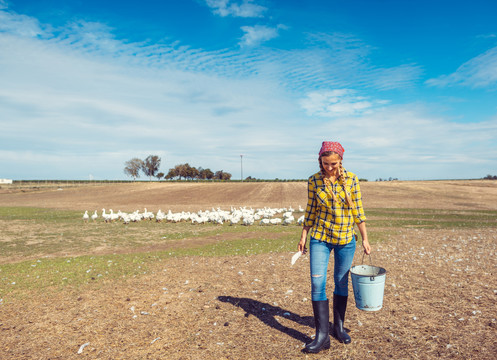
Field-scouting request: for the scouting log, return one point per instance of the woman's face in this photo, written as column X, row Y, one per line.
column 331, row 163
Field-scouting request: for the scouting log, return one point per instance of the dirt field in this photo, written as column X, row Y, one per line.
column 439, row 302
column 475, row 194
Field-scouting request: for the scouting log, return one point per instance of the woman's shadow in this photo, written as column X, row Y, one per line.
column 267, row 314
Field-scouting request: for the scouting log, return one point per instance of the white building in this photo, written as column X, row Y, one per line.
column 5, row 181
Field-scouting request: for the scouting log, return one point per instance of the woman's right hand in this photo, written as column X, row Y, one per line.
column 301, row 246
column 303, row 239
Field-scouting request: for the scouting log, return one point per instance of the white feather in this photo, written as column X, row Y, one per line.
column 296, row 256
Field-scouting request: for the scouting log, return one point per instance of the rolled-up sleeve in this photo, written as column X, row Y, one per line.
column 358, row 210
column 310, row 211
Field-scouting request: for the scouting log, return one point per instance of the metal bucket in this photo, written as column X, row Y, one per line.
column 368, row 282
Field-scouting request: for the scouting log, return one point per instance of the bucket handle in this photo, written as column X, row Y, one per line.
column 370, row 259
column 371, row 263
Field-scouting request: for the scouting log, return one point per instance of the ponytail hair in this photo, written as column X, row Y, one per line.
column 343, row 181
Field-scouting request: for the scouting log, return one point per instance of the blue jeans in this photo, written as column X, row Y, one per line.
column 319, row 257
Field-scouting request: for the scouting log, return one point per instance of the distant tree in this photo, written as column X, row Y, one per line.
column 133, row 167
column 159, row 176
column 490, row 177
column 178, row 172
column 221, row 175
column 182, row 170
column 188, row 172
column 185, row 171
column 151, row 165
column 171, row 174
column 192, row 172
column 205, row 174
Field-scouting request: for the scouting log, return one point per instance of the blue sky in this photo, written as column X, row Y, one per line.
column 408, row 87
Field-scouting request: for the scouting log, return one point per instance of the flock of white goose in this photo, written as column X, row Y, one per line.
column 243, row 215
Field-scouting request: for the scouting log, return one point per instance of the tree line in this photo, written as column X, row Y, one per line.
column 150, row 167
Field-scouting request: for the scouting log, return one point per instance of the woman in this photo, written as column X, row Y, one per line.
column 334, row 205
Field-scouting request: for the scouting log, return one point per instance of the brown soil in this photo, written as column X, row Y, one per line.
column 439, row 302
column 458, row 194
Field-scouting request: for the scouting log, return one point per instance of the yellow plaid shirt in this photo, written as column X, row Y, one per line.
column 331, row 221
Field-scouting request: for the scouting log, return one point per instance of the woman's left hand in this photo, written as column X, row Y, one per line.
column 366, row 246
column 364, row 236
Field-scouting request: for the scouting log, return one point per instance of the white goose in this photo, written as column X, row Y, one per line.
column 113, row 217
column 105, row 216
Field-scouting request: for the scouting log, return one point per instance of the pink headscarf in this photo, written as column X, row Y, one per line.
column 332, row 146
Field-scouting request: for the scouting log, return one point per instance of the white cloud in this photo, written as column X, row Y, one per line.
column 338, row 102
column 340, row 61
column 406, row 142
column 246, row 8
column 397, row 77
column 18, row 24
column 254, row 35
column 479, row 72
column 486, row 36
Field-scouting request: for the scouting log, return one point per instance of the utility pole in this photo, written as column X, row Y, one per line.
column 241, row 167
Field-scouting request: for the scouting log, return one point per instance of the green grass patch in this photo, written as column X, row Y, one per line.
column 431, row 219
column 257, row 245
column 19, row 279
column 56, row 273
column 39, row 214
